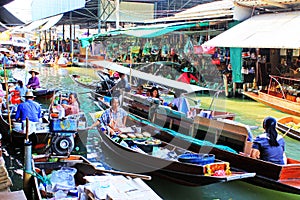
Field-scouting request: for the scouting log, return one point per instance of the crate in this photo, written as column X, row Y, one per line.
column 58, row 125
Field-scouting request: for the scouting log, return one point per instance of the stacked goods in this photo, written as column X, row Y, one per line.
column 5, row 181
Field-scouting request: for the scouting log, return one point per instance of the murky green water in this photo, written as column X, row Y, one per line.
column 247, row 111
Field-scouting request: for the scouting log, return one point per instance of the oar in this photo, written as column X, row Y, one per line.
column 286, row 132
column 90, row 169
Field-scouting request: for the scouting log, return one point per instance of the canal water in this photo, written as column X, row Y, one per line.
column 247, row 112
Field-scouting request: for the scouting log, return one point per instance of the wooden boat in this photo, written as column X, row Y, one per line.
column 44, row 93
column 75, row 123
column 149, row 155
column 289, row 126
column 85, row 81
column 284, row 100
column 284, row 178
column 88, row 173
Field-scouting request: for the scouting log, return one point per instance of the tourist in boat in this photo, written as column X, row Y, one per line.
column 187, row 76
column 269, row 146
column 112, row 118
column 63, row 59
column 34, row 81
column 29, row 108
column 21, row 88
column 154, row 93
column 140, row 90
column 72, row 107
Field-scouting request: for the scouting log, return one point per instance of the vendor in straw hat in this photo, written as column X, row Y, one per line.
column 34, row 81
column 29, row 108
column 187, row 76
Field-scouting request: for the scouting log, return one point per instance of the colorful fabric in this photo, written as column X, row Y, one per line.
column 29, row 109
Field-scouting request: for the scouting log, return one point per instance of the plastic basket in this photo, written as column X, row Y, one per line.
column 200, row 159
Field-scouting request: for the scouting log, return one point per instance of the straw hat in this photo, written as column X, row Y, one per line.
column 185, row 70
column 29, row 94
column 35, row 71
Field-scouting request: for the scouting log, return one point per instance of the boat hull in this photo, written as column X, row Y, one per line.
column 268, row 175
column 291, row 132
column 123, row 158
column 275, row 102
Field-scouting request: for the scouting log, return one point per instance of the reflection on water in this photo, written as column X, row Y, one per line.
column 247, row 111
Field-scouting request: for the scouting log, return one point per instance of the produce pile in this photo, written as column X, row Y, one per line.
column 293, row 125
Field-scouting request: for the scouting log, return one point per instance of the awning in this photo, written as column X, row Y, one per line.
column 32, row 26
column 51, row 22
column 262, row 31
column 149, row 77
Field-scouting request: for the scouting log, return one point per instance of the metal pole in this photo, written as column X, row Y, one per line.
column 27, row 174
column 86, row 55
column 28, row 170
column 117, row 4
column 99, row 16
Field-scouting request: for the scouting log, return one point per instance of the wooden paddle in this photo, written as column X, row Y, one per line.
column 90, row 169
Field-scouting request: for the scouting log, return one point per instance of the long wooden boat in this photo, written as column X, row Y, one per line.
column 284, row 178
column 289, row 126
column 84, row 81
column 149, row 155
column 15, row 138
column 86, row 172
column 282, row 100
column 44, row 92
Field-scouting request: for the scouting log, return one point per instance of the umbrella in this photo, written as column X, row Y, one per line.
column 4, row 50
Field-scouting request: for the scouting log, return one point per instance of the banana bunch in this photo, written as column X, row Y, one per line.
column 293, row 125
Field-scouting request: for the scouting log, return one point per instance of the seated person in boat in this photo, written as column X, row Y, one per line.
column 72, row 107
column 187, row 76
column 122, row 84
column 112, row 118
column 140, row 90
column 29, row 108
column 154, row 93
column 34, row 81
column 63, row 59
column 21, row 88
column 269, row 146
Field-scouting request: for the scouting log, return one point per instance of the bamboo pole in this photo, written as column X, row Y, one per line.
column 6, row 97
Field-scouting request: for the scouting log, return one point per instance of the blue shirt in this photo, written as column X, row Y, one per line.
column 29, row 109
column 274, row 154
column 109, row 115
column 22, row 90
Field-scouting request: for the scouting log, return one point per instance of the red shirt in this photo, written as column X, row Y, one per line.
column 184, row 78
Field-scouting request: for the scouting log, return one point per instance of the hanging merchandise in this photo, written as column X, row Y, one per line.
column 198, row 48
column 147, row 48
column 188, row 47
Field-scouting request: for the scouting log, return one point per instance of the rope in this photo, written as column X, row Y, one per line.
column 185, row 137
column 44, row 179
